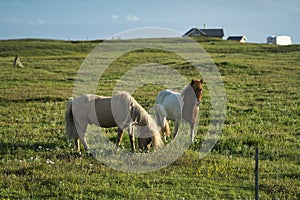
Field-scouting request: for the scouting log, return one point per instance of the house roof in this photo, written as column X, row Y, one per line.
column 236, row 38
column 218, row 32
column 193, row 30
column 205, row 32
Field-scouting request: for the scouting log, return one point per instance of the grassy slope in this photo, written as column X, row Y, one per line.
column 262, row 86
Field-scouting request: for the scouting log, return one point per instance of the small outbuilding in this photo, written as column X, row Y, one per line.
column 279, row 40
column 241, row 39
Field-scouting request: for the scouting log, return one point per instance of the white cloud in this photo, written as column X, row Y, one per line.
column 132, row 18
column 127, row 18
column 40, row 21
column 115, row 18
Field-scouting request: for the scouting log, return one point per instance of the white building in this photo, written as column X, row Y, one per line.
column 241, row 39
column 279, row 40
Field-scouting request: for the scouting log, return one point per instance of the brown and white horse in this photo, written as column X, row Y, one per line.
column 120, row 111
column 171, row 105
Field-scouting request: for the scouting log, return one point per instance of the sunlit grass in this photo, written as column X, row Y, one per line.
column 262, row 88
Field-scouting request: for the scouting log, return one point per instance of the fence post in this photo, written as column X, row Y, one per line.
column 256, row 173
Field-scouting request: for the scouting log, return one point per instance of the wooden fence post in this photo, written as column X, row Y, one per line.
column 17, row 62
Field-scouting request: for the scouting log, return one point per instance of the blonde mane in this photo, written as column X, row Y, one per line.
column 137, row 112
column 140, row 117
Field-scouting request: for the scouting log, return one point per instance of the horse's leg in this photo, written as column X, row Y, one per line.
column 192, row 132
column 176, row 127
column 77, row 145
column 120, row 137
column 131, row 137
column 81, row 129
column 83, row 140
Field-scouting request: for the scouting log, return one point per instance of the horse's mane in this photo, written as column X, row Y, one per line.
column 137, row 112
column 186, row 90
column 142, row 118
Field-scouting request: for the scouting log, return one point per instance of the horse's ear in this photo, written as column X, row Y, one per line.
column 192, row 82
column 201, row 81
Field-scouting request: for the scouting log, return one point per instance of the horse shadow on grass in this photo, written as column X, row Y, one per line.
column 47, row 150
column 12, row 147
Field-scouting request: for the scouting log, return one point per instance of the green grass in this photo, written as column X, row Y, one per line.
column 262, row 87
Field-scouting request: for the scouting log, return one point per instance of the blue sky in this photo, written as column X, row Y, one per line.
column 97, row 19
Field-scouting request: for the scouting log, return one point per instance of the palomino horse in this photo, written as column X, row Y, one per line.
column 176, row 106
column 120, row 111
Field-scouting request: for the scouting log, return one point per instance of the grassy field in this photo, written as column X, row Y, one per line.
column 263, row 110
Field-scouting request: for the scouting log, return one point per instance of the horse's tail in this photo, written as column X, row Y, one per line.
column 70, row 131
